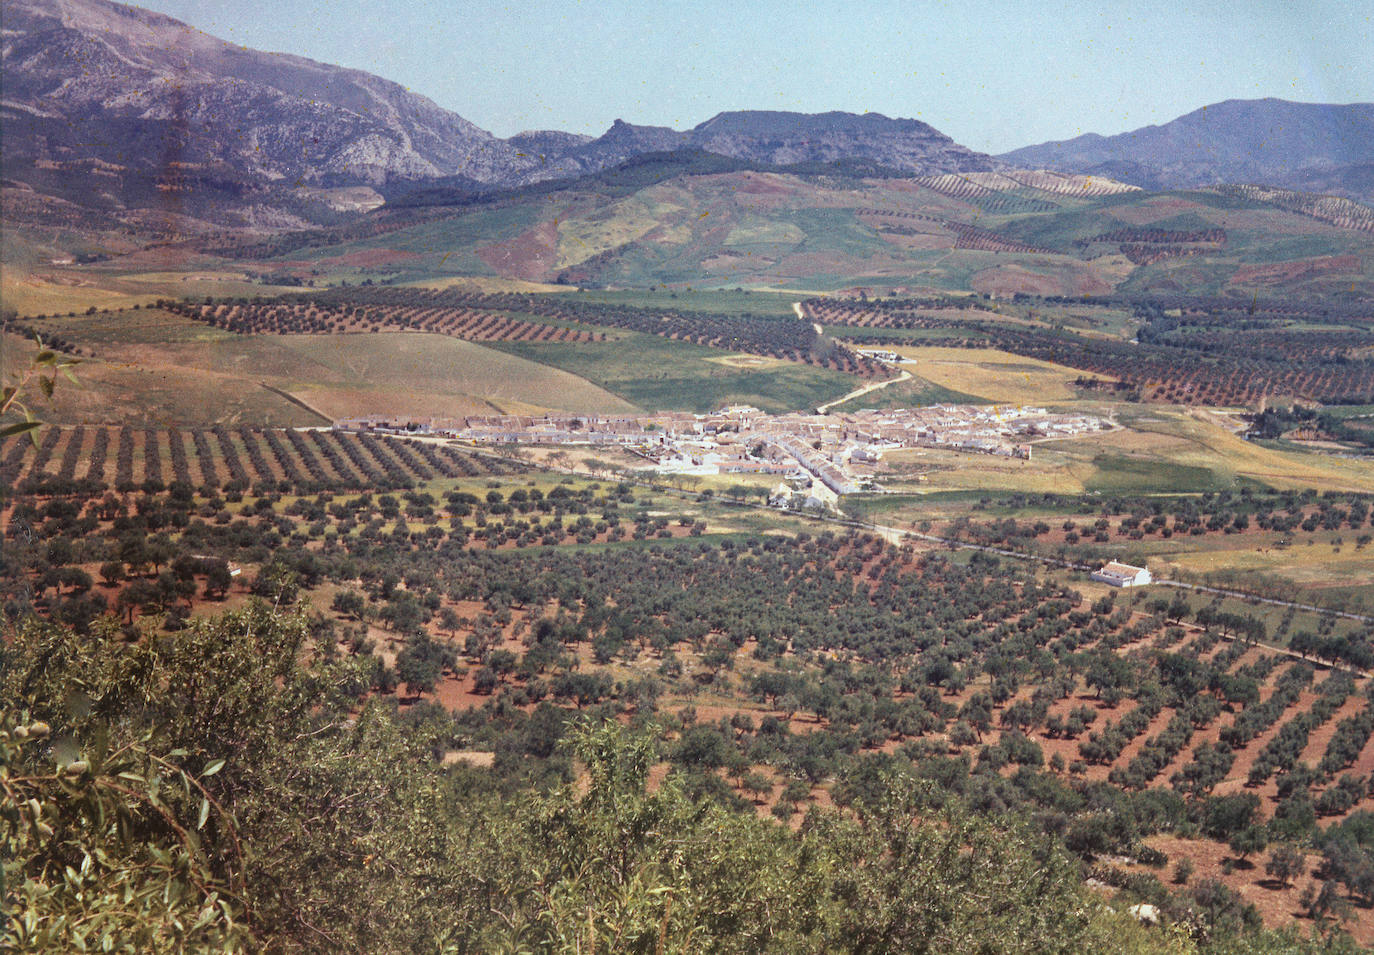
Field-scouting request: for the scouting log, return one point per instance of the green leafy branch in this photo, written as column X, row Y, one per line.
column 101, row 851
column 42, row 371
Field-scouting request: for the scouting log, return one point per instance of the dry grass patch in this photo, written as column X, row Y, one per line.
column 580, row 238
column 1219, row 449
column 227, row 380
column 1174, row 441
column 955, row 470
column 1307, row 566
column 745, row 361
column 35, row 294
column 75, row 290
column 342, row 402
column 995, row 375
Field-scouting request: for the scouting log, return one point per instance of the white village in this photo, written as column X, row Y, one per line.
column 816, row 457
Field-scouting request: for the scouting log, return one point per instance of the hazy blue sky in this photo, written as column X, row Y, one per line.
column 994, row 75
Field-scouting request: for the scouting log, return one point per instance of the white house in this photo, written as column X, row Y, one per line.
column 1122, row 575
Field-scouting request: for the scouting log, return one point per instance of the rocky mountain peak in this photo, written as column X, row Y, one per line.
column 272, row 116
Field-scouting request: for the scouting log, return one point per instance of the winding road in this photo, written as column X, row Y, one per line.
column 898, row 534
column 872, row 386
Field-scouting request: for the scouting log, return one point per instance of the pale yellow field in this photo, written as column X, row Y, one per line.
column 754, row 229
column 414, row 374
column 229, row 380
column 956, row 470
column 489, row 283
column 1155, row 445
column 30, row 294
column 629, row 219
column 343, row 402
column 995, row 375
column 745, row 361
column 155, row 393
column 719, row 482
column 58, row 291
column 1314, row 565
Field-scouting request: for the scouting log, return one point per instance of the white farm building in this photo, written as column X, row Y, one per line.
column 1122, row 575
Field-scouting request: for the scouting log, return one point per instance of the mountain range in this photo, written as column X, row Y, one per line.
column 147, row 106
column 122, row 114
column 777, row 139
column 157, row 112
column 1308, row 146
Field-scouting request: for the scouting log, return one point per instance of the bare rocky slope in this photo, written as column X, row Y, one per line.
column 136, row 78
column 784, row 139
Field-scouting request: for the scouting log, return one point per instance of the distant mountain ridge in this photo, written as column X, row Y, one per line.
column 169, row 117
column 546, row 142
column 783, row 139
column 115, row 116
column 1297, row 145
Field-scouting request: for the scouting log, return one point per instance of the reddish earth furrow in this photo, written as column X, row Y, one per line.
column 1157, row 724
column 1318, row 739
column 1245, row 758
column 1365, row 763
column 1208, row 734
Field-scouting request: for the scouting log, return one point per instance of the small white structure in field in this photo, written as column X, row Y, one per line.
column 1122, row 575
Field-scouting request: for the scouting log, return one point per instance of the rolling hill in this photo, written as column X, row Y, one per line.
column 718, row 223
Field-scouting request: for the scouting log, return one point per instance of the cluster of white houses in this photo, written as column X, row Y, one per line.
column 814, row 451
column 742, row 439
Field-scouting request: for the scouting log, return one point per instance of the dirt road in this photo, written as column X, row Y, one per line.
column 874, row 386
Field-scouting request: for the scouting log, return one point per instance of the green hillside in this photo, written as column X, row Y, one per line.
column 759, row 229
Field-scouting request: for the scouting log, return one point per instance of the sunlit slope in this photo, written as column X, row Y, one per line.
column 155, row 368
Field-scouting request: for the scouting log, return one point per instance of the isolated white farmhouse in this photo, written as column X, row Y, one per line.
column 1122, row 575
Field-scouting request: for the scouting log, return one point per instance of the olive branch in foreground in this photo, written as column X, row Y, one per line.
column 42, row 371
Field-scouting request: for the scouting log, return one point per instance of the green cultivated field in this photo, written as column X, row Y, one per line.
column 1122, row 474
column 663, row 375
column 726, row 301
column 915, row 393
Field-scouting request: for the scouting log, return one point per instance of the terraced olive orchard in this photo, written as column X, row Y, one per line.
column 783, row 671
